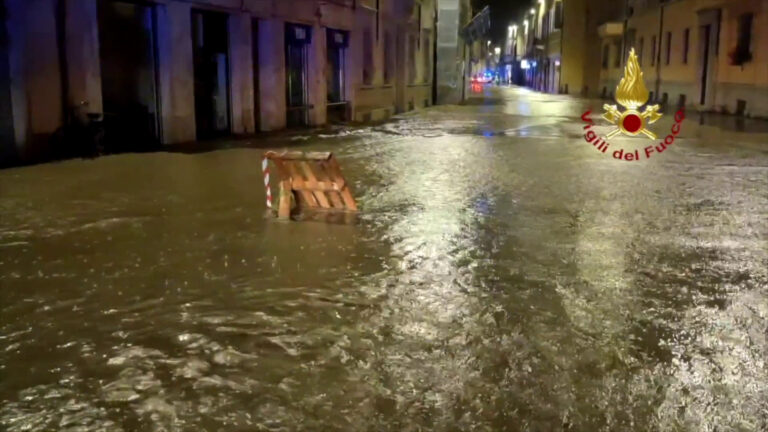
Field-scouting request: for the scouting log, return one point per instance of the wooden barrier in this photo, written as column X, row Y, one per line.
column 311, row 180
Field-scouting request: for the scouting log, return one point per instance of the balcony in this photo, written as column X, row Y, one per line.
column 478, row 27
column 611, row 29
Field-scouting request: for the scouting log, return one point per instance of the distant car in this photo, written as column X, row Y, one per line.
column 482, row 78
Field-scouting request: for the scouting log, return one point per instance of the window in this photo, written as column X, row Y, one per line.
column 389, row 61
column 686, row 40
column 744, row 44
column 629, row 42
column 653, row 51
column 640, row 51
column 617, row 60
column 550, row 20
column 418, row 21
column 606, row 54
column 336, row 42
column 669, row 47
column 558, row 14
column 367, row 55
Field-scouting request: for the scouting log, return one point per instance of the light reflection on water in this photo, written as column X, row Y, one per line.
column 518, row 282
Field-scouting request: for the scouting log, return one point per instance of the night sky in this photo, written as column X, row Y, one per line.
column 502, row 13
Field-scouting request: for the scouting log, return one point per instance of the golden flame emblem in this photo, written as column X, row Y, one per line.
column 631, row 94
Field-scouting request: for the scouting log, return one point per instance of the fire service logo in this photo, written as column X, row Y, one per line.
column 631, row 94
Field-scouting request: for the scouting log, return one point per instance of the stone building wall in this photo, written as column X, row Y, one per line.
column 679, row 74
column 55, row 64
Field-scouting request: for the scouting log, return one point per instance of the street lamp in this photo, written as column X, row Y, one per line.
column 533, row 11
column 497, row 50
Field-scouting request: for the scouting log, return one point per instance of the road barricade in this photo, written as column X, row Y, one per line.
column 308, row 181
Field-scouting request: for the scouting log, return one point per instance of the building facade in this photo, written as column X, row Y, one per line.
column 173, row 71
column 566, row 41
column 710, row 55
column 707, row 55
column 456, row 29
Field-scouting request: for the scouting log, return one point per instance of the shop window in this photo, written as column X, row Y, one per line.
column 686, row 41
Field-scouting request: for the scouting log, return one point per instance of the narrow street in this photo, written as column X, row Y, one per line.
column 503, row 275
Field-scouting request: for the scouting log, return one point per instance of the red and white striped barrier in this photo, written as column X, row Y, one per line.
column 265, row 170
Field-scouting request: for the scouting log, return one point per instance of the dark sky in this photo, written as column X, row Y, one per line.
column 502, row 13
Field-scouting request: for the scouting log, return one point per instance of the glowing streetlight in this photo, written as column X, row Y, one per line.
column 533, row 11
column 497, row 50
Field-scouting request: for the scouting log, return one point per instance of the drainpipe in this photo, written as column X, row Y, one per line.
column 660, row 40
column 560, row 88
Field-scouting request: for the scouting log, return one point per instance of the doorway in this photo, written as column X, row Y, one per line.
column 255, row 57
column 297, row 40
column 8, row 152
column 210, row 35
column 127, row 49
column 337, row 42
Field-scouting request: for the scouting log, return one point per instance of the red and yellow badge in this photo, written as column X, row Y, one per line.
column 631, row 94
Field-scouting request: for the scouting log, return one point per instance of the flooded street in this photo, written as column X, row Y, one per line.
column 503, row 275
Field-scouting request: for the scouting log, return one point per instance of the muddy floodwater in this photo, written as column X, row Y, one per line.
column 503, row 275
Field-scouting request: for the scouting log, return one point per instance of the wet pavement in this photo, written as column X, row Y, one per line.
column 503, row 275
